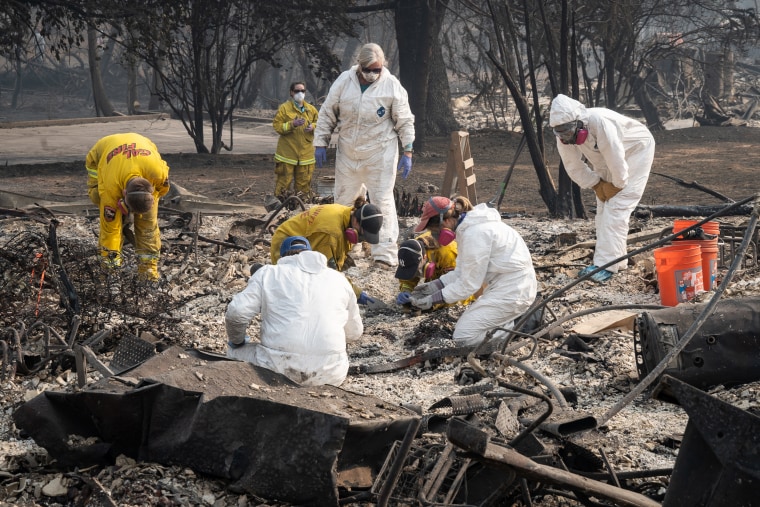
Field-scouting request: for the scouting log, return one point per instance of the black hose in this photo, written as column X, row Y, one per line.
column 282, row 205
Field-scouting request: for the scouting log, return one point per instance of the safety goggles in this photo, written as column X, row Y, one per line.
column 566, row 132
column 372, row 71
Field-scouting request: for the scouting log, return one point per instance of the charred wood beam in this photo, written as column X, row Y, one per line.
column 212, row 241
column 475, row 441
column 698, row 186
column 669, row 210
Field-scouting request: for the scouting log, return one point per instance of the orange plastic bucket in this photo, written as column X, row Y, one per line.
column 709, row 248
column 679, row 273
column 711, row 227
column 710, row 252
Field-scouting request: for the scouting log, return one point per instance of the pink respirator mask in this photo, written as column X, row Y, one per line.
column 351, row 235
column 428, row 270
column 446, row 236
column 571, row 133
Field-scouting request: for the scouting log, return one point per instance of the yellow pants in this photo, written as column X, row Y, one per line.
column 286, row 173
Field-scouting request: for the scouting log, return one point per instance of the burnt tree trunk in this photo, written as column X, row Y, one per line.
column 644, row 101
column 418, row 26
column 155, row 99
column 440, row 119
column 103, row 106
column 547, row 190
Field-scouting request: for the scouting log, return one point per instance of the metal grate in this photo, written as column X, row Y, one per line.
column 431, row 475
column 130, row 352
column 731, row 238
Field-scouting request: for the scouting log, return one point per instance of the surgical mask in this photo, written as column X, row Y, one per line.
column 370, row 77
column 299, row 97
column 351, row 235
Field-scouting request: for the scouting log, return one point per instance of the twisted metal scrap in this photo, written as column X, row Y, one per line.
column 48, row 289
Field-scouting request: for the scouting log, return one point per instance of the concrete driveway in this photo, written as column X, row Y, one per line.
column 70, row 140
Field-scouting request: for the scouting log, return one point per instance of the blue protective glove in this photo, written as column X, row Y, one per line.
column 236, row 345
column 320, row 153
column 405, row 166
column 364, row 299
column 403, row 298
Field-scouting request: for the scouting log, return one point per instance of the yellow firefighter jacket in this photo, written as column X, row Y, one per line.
column 111, row 163
column 324, row 227
column 294, row 145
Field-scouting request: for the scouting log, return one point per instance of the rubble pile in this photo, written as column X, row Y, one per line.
column 586, row 364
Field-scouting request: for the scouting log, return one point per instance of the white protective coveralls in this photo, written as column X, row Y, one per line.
column 370, row 125
column 490, row 252
column 308, row 312
column 619, row 150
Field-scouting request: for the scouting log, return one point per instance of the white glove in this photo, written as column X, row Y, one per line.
column 427, row 302
column 422, row 302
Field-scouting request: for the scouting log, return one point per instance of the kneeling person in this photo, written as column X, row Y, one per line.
column 421, row 260
column 308, row 313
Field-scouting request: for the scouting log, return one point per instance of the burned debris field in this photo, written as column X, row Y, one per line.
column 117, row 392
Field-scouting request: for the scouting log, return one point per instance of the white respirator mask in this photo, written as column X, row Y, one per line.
column 370, row 77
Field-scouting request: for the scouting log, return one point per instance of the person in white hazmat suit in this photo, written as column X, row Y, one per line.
column 612, row 154
column 308, row 313
column 491, row 254
column 370, row 111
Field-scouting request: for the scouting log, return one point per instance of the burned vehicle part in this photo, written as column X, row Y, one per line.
column 477, row 442
column 719, row 459
column 229, row 419
column 725, row 350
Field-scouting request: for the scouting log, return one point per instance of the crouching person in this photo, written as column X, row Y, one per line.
column 308, row 313
column 491, row 254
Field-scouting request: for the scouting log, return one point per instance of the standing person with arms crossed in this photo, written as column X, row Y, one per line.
column 612, row 154
column 126, row 176
column 371, row 110
column 294, row 159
